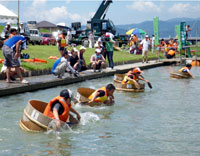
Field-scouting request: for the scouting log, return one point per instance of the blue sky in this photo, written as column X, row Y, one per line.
column 120, row 12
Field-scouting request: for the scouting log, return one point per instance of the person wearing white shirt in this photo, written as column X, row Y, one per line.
column 145, row 47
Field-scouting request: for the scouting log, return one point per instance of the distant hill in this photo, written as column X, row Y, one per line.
column 166, row 28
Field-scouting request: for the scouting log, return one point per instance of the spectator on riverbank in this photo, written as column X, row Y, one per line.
column 6, row 31
column 152, row 44
column 83, row 65
column 61, row 65
column 69, row 37
column 100, row 46
column 13, row 32
column 13, row 72
column 171, row 53
column 97, row 60
column 109, row 50
column 74, row 60
column 11, row 51
column 187, row 30
column 62, row 42
column 145, row 48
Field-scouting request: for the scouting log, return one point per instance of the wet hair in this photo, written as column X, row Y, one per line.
column 65, row 93
column 110, row 87
column 188, row 65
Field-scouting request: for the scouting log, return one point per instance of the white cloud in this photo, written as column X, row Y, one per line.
column 185, row 9
column 37, row 3
column 144, row 6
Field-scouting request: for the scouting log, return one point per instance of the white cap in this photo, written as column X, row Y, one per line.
column 8, row 23
column 97, row 50
column 75, row 50
column 146, row 36
column 82, row 48
column 99, row 39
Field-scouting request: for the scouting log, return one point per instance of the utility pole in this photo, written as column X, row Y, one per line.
column 18, row 17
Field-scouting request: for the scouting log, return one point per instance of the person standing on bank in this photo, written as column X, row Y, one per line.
column 62, row 42
column 145, row 48
column 109, row 51
column 59, row 107
column 11, row 51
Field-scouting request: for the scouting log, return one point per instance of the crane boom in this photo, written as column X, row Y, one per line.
column 102, row 9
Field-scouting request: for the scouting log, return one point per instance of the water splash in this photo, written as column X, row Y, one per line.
column 88, row 117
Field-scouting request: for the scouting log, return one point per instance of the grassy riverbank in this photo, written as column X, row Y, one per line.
column 44, row 51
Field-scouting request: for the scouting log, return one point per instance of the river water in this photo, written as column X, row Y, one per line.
column 161, row 121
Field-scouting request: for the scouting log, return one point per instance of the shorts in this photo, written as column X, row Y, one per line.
column 9, row 57
column 144, row 53
column 61, row 48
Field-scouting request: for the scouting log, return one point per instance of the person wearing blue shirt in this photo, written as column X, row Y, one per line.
column 11, row 51
column 60, row 66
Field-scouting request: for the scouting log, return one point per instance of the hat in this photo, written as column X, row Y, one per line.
column 146, row 36
column 82, row 48
column 97, row 50
column 8, row 23
column 75, row 50
column 99, row 39
column 137, row 70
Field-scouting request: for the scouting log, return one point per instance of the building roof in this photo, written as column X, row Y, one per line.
column 46, row 24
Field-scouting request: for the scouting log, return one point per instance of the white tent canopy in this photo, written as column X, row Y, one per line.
column 6, row 15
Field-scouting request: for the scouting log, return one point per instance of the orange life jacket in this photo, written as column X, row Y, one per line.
column 195, row 63
column 130, row 73
column 171, row 52
column 99, row 99
column 64, row 116
column 63, row 41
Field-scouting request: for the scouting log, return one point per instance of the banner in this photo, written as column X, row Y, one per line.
column 178, row 35
column 156, row 30
column 183, row 33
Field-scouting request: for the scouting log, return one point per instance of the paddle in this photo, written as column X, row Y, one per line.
column 149, row 84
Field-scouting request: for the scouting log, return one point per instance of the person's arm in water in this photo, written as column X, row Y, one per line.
column 56, row 115
column 75, row 112
column 93, row 98
column 190, row 74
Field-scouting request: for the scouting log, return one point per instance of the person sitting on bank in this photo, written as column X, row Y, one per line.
column 60, row 66
column 133, row 76
column 97, row 60
column 186, row 70
column 74, row 60
column 171, row 53
column 13, row 72
column 83, row 65
column 103, row 95
column 59, row 107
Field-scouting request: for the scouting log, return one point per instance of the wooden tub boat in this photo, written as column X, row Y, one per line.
column 33, row 119
column 83, row 94
column 179, row 75
column 126, row 87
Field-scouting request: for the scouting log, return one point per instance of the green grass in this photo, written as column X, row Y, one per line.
column 44, row 51
column 1, row 28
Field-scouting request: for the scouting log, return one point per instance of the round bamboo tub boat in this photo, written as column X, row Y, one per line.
column 126, row 87
column 83, row 95
column 33, row 119
column 179, row 75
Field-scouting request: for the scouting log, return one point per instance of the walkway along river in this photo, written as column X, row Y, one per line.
column 162, row 121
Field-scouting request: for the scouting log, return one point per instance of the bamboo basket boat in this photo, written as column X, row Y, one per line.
column 33, row 119
column 83, row 95
column 126, row 87
column 179, row 75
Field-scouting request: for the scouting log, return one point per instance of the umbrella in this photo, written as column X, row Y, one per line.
column 135, row 31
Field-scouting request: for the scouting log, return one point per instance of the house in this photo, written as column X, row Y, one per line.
column 47, row 25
